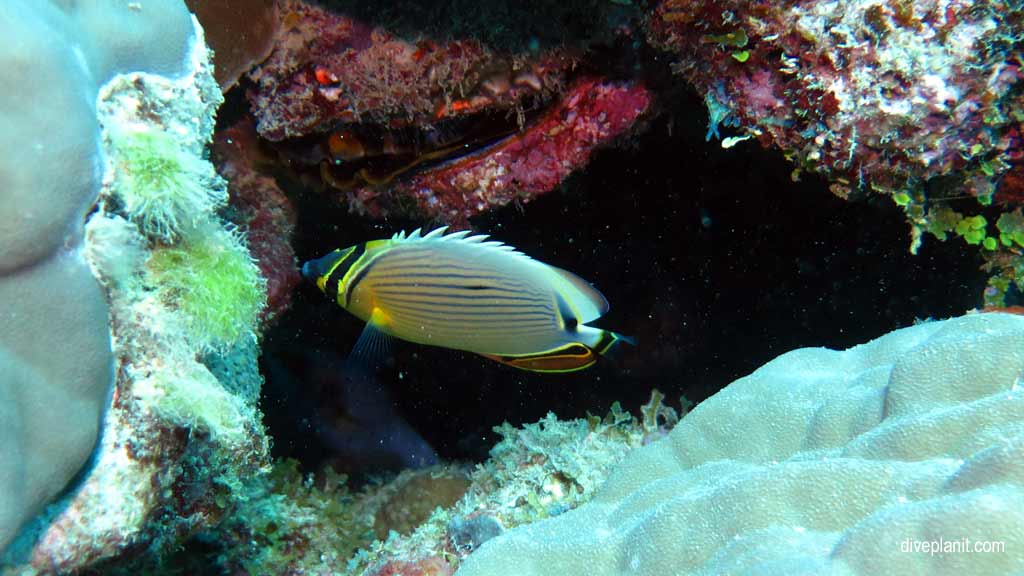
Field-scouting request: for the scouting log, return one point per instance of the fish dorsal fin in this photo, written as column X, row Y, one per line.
column 586, row 301
column 436, row 232
column 461, row 237
column 417, row 234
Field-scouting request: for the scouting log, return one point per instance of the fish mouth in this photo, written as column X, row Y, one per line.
column 313, row 270
column 307, row 271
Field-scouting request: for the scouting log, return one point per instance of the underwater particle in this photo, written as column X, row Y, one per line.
column 165, row 188
column 467, row 535
column 705, row 219
column 212, row 280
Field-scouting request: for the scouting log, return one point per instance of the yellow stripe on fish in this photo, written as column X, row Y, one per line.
column 467, row 293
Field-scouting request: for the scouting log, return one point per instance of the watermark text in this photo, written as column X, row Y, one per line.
column 959, row 546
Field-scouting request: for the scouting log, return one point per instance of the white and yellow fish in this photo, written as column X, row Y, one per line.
column 467, row 293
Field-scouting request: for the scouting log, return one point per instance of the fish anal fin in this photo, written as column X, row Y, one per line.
column 568, row 358
column 588, row 301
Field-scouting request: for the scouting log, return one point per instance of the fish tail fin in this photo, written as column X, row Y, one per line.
column 610, row 344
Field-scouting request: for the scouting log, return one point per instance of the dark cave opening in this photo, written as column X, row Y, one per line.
column 716, row 260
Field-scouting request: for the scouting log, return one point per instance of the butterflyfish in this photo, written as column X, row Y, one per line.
column 467, row 293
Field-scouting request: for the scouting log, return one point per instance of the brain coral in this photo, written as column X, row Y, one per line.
column 55, row 357
column 820, row 462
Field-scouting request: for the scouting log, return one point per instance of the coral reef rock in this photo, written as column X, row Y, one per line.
column 524, row 165
column 240, row 32
column 159, row 295
column 55, row 358
column 899, row 456
column 876, row 96
column 431, row 129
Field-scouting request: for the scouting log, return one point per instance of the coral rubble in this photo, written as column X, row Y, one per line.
column 538, row 471
column 422, row 521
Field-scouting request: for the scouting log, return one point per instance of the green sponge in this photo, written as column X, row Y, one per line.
column 164, row 187
column 212, row 280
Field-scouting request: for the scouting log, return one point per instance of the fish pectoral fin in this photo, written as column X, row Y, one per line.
column 373, row 347
column 610, row 344
column 569, row 358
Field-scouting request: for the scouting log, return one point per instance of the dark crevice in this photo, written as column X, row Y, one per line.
column 714, row 259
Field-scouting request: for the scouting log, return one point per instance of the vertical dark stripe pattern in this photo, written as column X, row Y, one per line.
column 342, row 268
column 357, row 278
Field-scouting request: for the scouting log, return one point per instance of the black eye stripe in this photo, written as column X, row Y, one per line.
column 342, row 268
column 358, row 278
